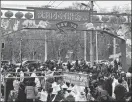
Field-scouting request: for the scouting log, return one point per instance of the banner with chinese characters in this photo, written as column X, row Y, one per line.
column 77, row 79
column 61, row 15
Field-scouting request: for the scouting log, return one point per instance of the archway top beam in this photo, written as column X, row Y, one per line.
column 111, row 34
column 94, row 13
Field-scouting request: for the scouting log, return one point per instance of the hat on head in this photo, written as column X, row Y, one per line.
column 90, row 74
column 122, row 72
column 128, row 74
column 70, row 88
column 64, row 86
column 33, row 75
column 54, row 84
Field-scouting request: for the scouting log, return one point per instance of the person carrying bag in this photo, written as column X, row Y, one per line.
column 31, row 91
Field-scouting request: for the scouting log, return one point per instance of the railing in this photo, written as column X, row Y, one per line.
column 45, row 76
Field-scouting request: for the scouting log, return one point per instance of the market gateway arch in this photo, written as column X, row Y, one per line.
column 53, row 19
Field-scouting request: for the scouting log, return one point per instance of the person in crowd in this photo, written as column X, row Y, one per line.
column 31, row 90
column 48, row 88
column 120, row 91
column 69, row 66
column 77, row 66
column 130, row 69
column 108, row 85
column 13, row 96
column 69, row 98
column 103, row 83
column 114, row 84
column 54, row 90
column 125, row 84
column 9, row 86
column 101, row 93
column 21, row 91
column 21, row 75
column 37, row 81
column 16, row 83
column 129, row 99
column 115, row 65
column 60, row 95
column 43, row 96
column 69, row 94
column 64, row 88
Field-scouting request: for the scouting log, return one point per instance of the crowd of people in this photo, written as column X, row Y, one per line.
column 44, row 82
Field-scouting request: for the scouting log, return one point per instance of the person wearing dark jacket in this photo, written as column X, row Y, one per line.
column 120, row 91
column 108, row 85
column 9, row 87
column 21, row 93
column 77, row 67
column 101, row 95
column 69, row 66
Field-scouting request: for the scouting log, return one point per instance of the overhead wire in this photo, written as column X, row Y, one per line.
column 59, row 4
column 87, row 6
column 97, row 5
column 49, row 2
column 52, row 3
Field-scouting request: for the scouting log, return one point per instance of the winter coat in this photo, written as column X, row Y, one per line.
column 9, row 87
column 102, row 95
column 108, row 86
column 21, row 93
column 120, row 92
column 13, row 96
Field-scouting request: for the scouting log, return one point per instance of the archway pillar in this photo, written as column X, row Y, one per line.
column 123, row 55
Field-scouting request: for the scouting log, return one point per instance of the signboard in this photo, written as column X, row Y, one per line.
column 61, row 15
column 66, row 25
column 77, row 79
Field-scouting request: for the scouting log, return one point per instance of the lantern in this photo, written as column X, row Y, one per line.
column 19, row 15
column 28, row 15
column 9, row 14
column 105, row 18
column 95, row 18
column 122, row 19
column 113, row 19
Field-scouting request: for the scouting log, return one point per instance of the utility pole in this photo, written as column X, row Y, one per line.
column 91, row 35
column 114, row 46
column 85, row 45
column 0, row 60
column 97, row 47
column 21, row 51
column 33, row 54
column 33, row 51
column 45, row 58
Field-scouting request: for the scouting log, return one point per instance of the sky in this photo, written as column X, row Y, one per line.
column 99, row 4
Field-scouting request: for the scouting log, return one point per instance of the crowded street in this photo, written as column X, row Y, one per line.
column 65, row 51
